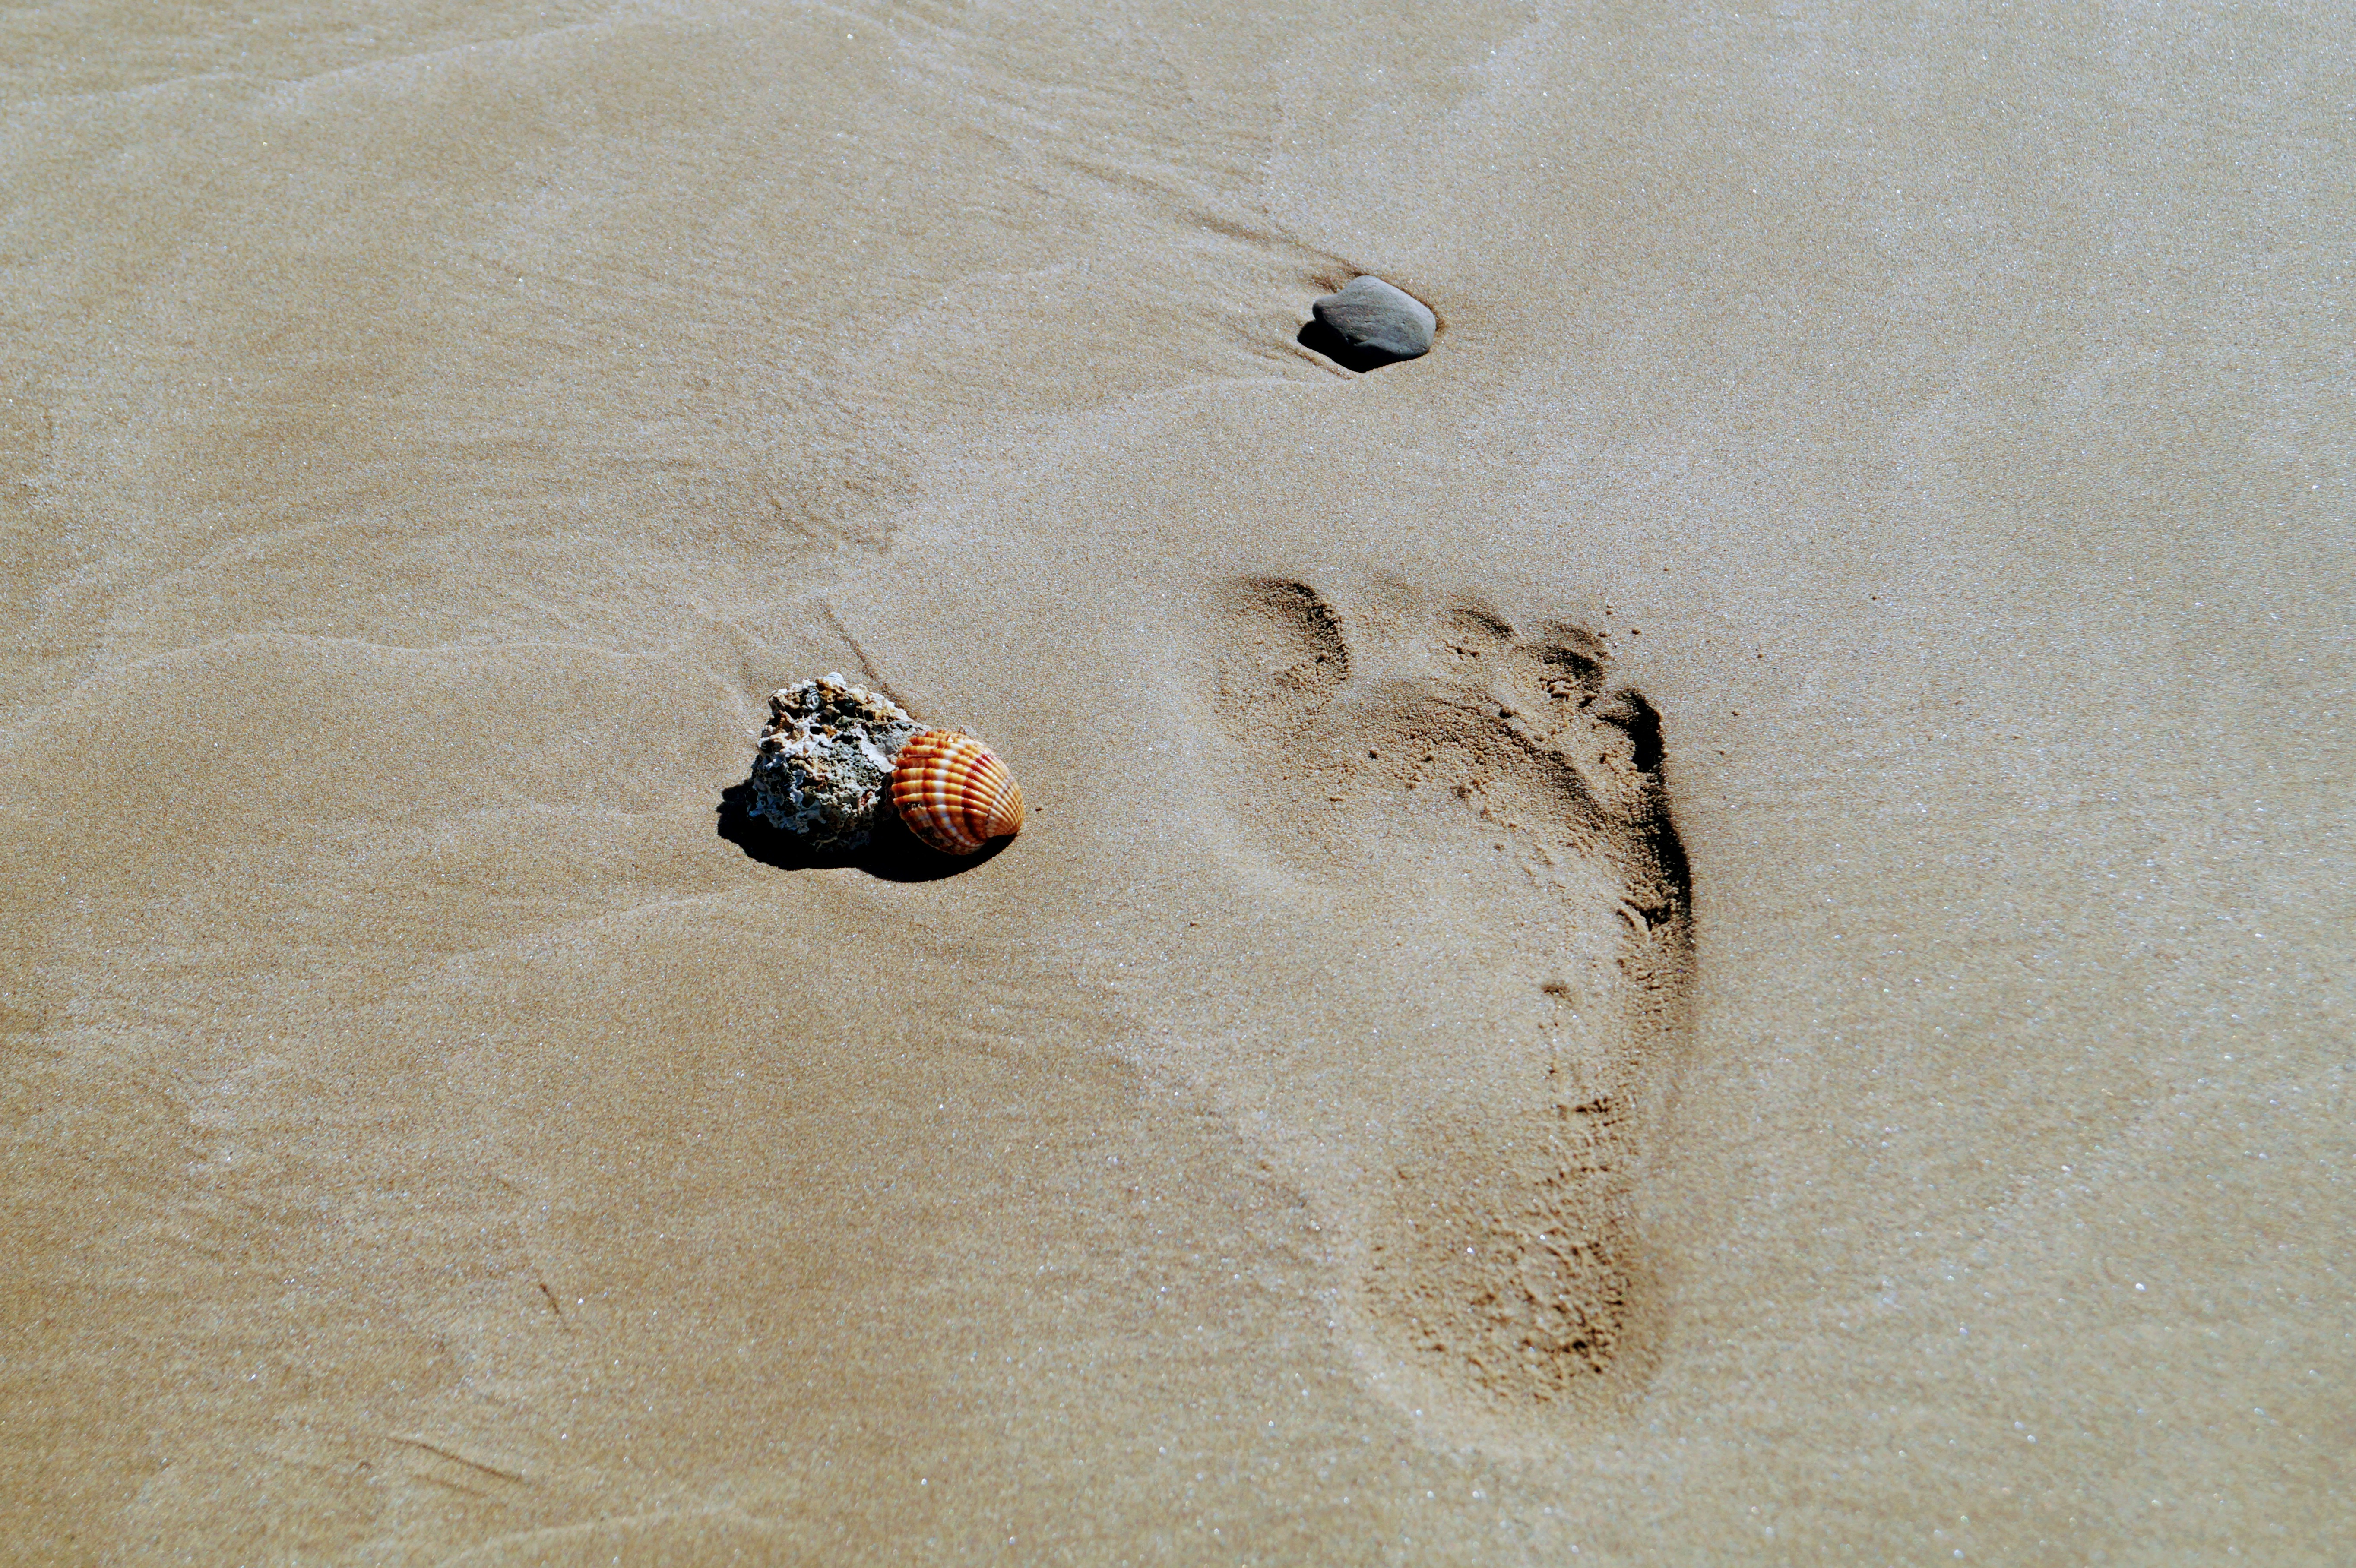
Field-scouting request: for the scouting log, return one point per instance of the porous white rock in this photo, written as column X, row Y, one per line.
column 824, row 769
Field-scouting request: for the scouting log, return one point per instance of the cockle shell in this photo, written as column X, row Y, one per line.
column 953, row 793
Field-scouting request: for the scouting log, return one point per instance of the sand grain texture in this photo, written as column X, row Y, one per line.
column 1708, row 925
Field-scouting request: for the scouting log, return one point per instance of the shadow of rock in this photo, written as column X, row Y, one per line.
column 1320, row 338
column 892, row 853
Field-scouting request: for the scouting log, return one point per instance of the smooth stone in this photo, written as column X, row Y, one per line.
column 1373, row 316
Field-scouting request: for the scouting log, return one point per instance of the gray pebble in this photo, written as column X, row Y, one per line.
column 1372, row 315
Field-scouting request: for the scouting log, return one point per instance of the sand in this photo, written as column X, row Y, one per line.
column 1709, row 925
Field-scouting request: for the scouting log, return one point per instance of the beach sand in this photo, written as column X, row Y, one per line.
column 1709, row 925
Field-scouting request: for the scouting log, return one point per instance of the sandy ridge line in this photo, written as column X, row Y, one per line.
column 418, row 652
column 279, row 85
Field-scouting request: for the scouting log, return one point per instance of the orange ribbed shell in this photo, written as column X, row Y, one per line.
column 953, row 793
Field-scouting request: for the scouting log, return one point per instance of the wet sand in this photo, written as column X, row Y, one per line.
column 1707, row 926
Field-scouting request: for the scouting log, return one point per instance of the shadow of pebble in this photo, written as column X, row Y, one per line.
column 1320, row 338
column 892, row 853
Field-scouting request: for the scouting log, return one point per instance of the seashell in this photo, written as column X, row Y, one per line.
column 953, row 793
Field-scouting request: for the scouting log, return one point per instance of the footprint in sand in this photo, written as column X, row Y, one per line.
column 1485, row 802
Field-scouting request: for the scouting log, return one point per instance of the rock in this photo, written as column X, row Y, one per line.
column 1373, row 317
column 824, row 770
